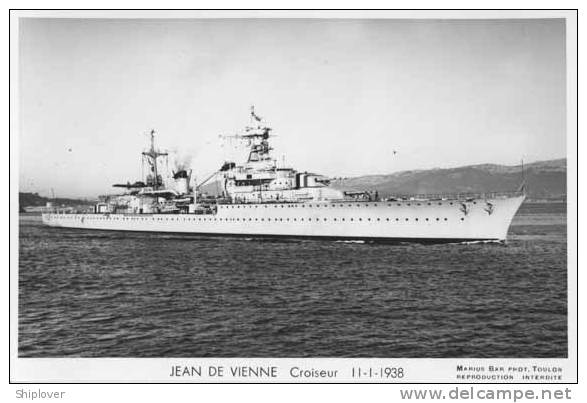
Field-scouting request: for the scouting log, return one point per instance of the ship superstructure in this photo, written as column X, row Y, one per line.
column 260, row 178
column 263, row 198
column 155, row 193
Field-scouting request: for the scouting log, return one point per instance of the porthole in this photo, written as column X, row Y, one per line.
column 406, row 219
column 446, row 219
column 462, row 219
column 438, row 219
column 416, row 219
column 397, row 219
column 427, row 220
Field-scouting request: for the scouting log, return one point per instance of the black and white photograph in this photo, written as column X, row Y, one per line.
column 319, row 197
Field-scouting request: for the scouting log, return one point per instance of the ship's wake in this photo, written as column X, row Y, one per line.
column 350, row 241
column 482, row 242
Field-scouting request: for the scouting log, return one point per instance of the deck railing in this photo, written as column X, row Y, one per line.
column 455, row 196
column 423, row 196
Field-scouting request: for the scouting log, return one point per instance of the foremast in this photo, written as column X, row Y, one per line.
column 150, row 156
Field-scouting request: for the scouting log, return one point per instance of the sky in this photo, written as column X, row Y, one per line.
column 341, row 95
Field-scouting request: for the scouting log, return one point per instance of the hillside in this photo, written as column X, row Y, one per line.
column 544, row 180
column 35, row 200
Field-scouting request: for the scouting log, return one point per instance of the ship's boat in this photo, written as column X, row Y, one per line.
column 261, row 198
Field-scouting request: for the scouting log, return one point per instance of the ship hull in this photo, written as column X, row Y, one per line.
column 398, row 221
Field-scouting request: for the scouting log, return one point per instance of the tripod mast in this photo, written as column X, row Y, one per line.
column 152, row 154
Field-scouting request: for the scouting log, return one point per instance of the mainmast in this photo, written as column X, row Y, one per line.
column 151, row 155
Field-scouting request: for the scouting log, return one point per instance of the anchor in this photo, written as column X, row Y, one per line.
column 489, row 208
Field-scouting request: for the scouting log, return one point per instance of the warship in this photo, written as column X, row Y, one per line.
column 261, row 198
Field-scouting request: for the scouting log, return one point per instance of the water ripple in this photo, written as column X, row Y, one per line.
column 107, row 294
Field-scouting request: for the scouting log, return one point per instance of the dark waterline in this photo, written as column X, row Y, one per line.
column 110, row 294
